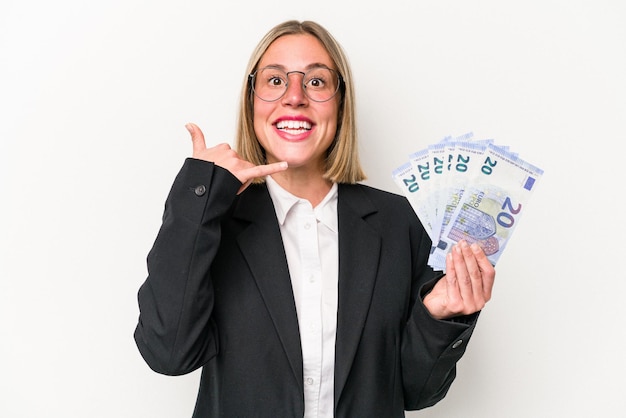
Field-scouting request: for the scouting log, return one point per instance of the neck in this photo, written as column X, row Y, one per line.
column 303, row 184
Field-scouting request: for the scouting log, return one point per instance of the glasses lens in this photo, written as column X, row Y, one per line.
column 269, row 83
column 320, row 84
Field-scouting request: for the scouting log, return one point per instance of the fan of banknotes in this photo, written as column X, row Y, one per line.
column 464, row 188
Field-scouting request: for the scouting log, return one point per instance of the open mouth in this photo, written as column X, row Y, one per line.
column 294, row 127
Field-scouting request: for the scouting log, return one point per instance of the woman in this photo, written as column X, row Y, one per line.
column 299, row 291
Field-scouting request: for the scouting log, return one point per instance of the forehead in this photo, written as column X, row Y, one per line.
column 296, row 52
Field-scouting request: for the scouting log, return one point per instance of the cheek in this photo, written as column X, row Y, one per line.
column 333, row 121
column 260, row 117
column 261, row 109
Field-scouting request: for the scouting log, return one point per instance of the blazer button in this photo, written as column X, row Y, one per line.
column 200, row 190
column 457, row 344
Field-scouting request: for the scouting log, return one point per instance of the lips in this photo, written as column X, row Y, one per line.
column 294, row 127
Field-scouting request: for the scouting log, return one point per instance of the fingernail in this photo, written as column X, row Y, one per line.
column 188, row 127
column 284, row 164
column 475, row 247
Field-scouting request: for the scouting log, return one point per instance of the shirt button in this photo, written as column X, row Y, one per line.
column 200, row 190
column 457, row 344
column 307, row 226
column 309, row 381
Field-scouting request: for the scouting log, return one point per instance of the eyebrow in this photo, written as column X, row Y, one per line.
column 308, row 67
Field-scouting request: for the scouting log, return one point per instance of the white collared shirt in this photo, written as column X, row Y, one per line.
column 311, row 243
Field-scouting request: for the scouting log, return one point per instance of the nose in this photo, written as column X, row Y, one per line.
column 295, row 94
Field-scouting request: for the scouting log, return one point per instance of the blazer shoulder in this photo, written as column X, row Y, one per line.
column 372, row 192
column 375, row 195
column 367, row 199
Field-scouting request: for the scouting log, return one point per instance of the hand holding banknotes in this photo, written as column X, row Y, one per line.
column 469, row 195
column 467, row 285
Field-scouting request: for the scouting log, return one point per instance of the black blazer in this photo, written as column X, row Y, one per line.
column 218, row 296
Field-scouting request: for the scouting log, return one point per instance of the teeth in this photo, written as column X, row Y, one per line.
column 293, row 124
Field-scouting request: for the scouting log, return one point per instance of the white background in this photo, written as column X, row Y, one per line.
column 93, row 101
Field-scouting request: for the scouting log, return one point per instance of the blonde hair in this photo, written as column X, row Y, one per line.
column 342, row 161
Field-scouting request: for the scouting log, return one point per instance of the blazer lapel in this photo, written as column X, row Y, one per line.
column 262, row 246
column 359, row 252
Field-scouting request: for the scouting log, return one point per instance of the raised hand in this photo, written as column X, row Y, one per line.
column 467, row 285
column 224, row 156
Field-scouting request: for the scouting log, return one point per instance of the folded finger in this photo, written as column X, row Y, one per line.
column 473, row 270
column 463, row 276
column 487, row 271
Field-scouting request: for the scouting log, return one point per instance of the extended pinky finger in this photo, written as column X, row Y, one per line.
column 263, row 170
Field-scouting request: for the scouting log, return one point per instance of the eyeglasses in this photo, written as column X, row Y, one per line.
column 319, row 84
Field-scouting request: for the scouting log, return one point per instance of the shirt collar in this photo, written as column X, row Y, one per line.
column 283, row 200
column 325, row 212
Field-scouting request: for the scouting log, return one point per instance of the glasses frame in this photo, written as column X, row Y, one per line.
column 252, row 78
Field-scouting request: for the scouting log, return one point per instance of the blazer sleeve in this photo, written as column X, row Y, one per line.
column 431, row 348
column 175, row 334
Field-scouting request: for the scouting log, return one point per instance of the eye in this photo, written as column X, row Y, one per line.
column 316, row 82
column 319, row 79
column 270, row 77
column 276, row 81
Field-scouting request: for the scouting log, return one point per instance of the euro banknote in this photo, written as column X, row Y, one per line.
column 467, row 189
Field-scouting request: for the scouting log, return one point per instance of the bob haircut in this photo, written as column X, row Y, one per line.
column 342, row 161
